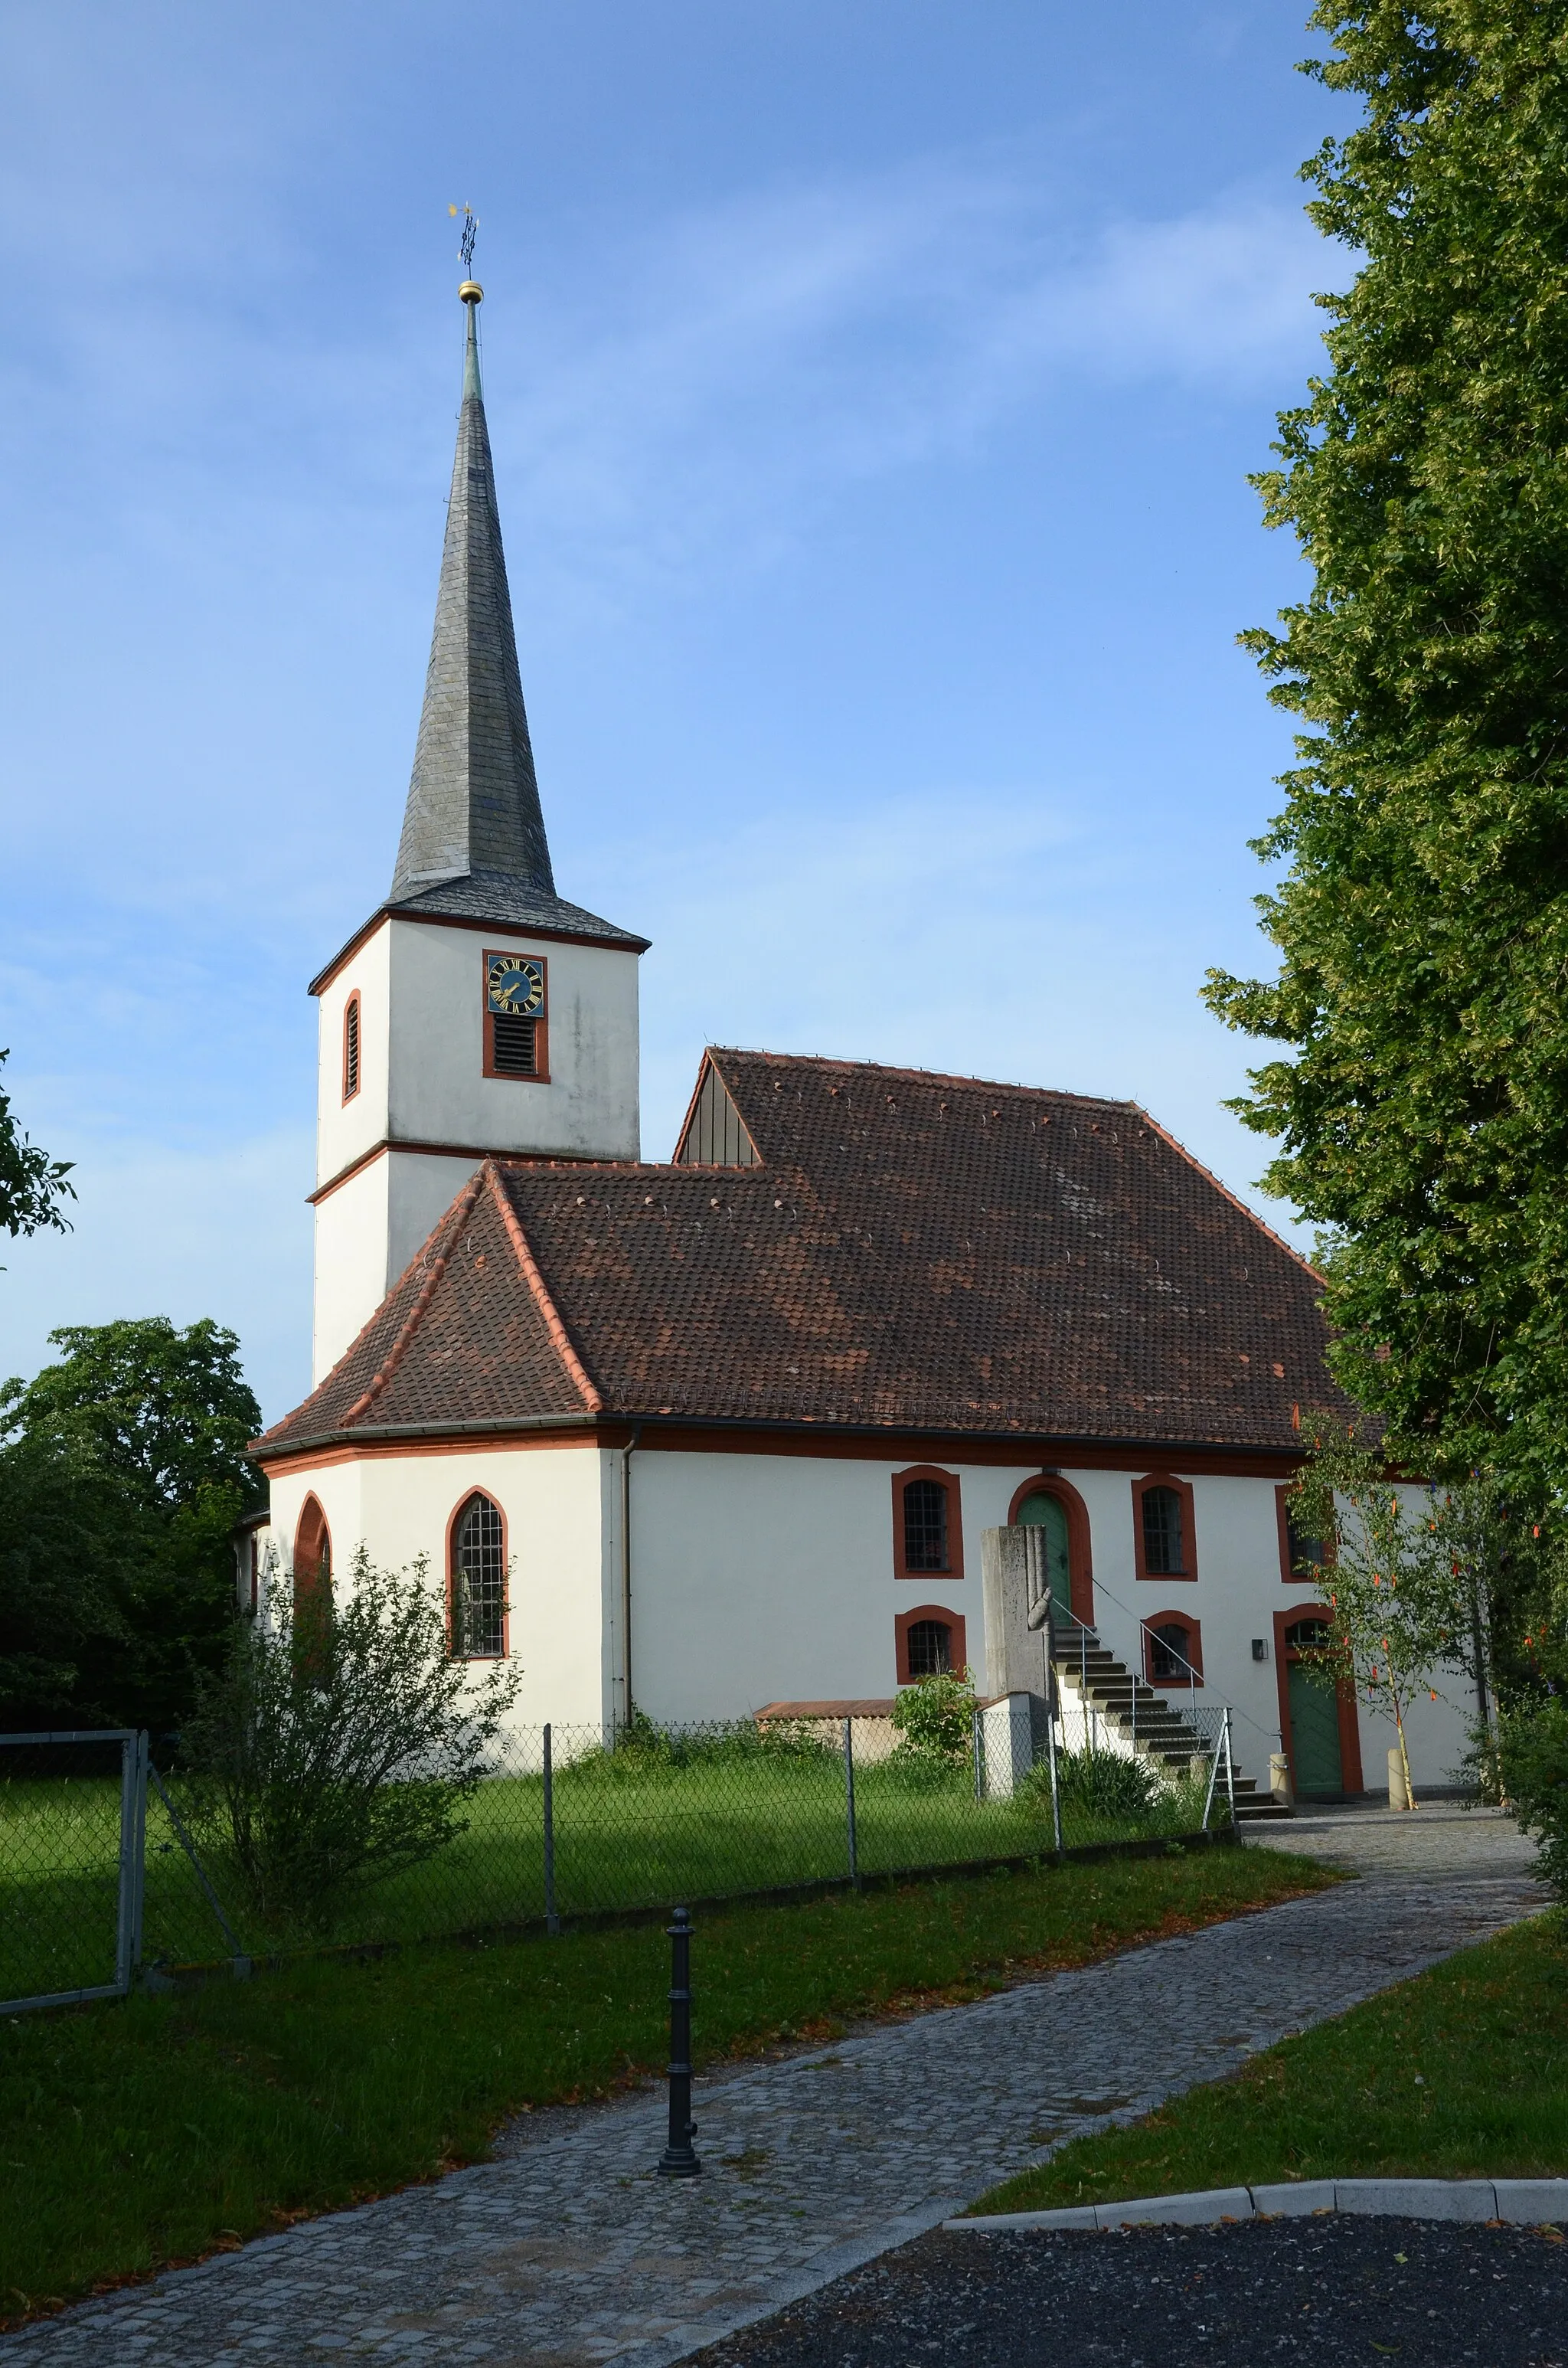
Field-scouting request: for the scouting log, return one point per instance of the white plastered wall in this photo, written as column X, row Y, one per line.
column 439, row 1092
column 564, row 1588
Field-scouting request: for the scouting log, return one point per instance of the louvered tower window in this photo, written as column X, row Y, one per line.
column 516, row 1046
column 351, row 1048
column 516, row 1016
column 479, row 1583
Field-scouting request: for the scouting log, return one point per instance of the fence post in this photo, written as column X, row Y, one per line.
column 1230, row 1775
column 849, row 1799
column 977, row 1749
column 552, row 1921
column 132, row 1859
column 679, row 2157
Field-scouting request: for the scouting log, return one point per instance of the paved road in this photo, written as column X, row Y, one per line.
column 1301, row 2294
column 566, row 2250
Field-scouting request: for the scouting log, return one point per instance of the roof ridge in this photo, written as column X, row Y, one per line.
column 924, row 1077
column 456, row 1215
column 491, row 1172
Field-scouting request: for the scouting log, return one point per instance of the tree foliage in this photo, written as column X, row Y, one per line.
column 121, row 1477
column 341, row 1746
column 33, row 1186
column 1422, row 1107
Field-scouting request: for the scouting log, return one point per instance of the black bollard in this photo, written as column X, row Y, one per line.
column 679, row 2157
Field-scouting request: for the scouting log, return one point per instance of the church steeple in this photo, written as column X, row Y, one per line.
column 474, row 812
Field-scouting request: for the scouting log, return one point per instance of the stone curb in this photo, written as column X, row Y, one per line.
column 1529, row 2202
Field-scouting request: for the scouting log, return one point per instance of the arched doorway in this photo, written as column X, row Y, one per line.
column 1057, row 1509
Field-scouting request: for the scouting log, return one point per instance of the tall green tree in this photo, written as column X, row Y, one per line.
column 121, row 1475
column 1420, row 1101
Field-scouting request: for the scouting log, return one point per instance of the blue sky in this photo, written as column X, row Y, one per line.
column 872, row 390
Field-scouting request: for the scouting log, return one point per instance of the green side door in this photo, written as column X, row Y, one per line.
column 1315, row 1732
column 1048, row 1514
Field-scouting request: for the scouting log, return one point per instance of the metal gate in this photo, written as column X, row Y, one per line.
column 72, row 1836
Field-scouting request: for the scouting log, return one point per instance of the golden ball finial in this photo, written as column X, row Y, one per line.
column 470, row 292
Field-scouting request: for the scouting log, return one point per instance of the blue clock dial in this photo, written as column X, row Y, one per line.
column 515, row 984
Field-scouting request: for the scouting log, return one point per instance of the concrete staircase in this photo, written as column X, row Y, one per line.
column 1136, row 1716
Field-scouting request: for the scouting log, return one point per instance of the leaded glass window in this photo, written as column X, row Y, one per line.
column 1163, row 1553
column 479, row 1583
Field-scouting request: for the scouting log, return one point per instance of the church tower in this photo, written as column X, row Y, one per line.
column 476, row 1012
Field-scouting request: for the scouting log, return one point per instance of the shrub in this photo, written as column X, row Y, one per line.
column 335, row 1751
column 1102, row 1785
column 1533, row 1754
column 935, row 1718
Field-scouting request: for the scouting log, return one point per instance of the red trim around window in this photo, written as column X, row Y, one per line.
column 1080, row 1563
column 949, row 1481
column 312, row 1535
column 1189, row 1527
column 958, row 1647
column 1192, row 1650
column 352, row 1073
column 453, row 1518
column 1349, row 1725
column 1282, row 1494
column 541, row 1076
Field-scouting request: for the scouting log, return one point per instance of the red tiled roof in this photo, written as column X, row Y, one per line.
column 912, row 1252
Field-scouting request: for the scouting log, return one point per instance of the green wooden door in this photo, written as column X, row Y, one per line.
column 1315, row 1732
column 1048, row 1514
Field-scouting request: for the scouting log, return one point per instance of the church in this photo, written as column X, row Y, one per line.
column 713, row 1433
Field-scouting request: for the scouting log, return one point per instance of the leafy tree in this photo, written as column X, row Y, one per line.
column 1396, row 1614
column 341, row 1746
column 1421, row 1105
column 33, row 1186
column 170, row 1409
column 120, row 1482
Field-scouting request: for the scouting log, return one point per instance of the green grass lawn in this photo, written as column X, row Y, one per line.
column 136, row 2134
column 1460, row 2073
column 630, row 1830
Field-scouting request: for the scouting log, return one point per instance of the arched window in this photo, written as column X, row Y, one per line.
column 312, row 1562
column 1174, row 1654
column 927, row 1531
column 930, row 1649
column 479, row 1583
column 351, row 1046
column 928, row 1642
column 1163, row 1534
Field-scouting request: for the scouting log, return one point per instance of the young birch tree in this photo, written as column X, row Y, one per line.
column 1390, row 1592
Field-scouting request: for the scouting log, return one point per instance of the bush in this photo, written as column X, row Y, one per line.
column 936, row 1719
column 334, row 1751
column 1103, row 1785
column 1533, row 1757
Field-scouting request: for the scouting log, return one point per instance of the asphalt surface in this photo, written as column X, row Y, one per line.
column 1328, row 2292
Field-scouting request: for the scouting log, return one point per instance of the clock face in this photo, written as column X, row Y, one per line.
column 513, row 983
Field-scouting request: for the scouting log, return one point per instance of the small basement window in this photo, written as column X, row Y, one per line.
column 930, row 1647
column 1170, row 1651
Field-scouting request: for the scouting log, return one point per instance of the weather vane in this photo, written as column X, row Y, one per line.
column 471, row 224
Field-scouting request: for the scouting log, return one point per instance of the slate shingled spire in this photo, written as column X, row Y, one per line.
column 473, row 810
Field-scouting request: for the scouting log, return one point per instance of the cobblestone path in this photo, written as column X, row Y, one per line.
column 567, row 2250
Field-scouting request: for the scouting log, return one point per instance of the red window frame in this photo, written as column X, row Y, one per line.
column 958, row 1649
column 541, row 1076
column 453, row 1518
column 949, row 1481
column 1192, row 1650
column 353, row 1007
column 1188, row 1528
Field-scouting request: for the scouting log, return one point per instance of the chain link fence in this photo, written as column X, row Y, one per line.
column 112, row 1870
